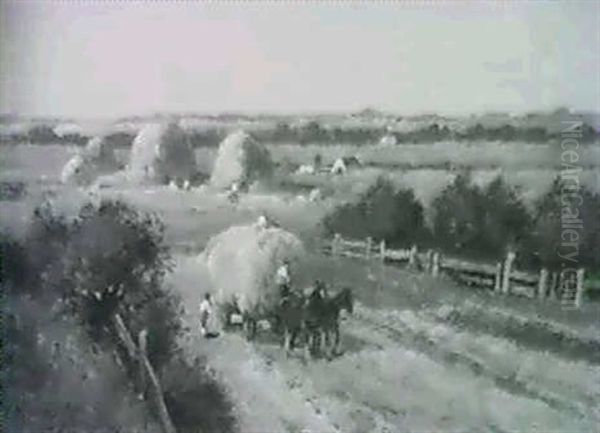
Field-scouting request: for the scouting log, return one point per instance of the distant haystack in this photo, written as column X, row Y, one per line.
column 241, row 160
column 339, row 167
column 243, row 261
column 388, row 140
column 96, row 159
column 306, row 169
column 161, row 153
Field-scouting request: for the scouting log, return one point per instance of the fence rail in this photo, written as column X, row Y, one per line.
column 138, row 357
column 501, row 277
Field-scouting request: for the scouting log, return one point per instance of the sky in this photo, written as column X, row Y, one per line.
column 105, row 59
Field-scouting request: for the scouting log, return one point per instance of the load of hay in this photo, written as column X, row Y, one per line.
column 161, row 153
column 96, row 159
column 241, row 160
column 243, row 260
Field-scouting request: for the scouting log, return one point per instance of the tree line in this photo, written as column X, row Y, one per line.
column 475, row 222
column 315, row 133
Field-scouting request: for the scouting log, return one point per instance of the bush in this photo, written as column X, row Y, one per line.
column 42, row 134
column 110, row 259
column 480, row 223
column 115, row 262
column 545, row 248
column 196, row 401
column 382, row 212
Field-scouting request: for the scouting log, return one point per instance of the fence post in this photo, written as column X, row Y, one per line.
column 542, row 283
column 579, row 293
column 498, row 278
column 142, row 352
column 553, row 284
column 510, row 257
column 435, row 266
column 382, row 250
column 369, row 246
column 428, row 260
column 412, row 258
column 335, row 244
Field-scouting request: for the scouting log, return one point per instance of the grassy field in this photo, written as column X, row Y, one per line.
column 419, row 353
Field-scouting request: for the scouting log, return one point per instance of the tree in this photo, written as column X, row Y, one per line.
column 476, row 222
column 318, row 160
column 115, row 262
column 42, row 134
column 111, row 259
column 382, row 212
column 560, row 209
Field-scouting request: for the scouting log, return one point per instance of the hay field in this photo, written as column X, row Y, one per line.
column 420, row 354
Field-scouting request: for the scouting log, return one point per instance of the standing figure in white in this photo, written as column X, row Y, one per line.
column 205, row 313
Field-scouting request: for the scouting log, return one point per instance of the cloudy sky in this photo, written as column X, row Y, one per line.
column 113, row 58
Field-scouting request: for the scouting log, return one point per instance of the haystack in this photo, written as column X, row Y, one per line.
column 339, row 167
column 242, row 160
column 161, row 154
column 388, row 140
column 243, row 260
column 96, row 159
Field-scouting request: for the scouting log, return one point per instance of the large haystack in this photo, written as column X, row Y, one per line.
column 96, row 159
column 161, row 153
column 242, row 160
column 243, row 260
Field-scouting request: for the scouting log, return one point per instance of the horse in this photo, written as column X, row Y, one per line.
column 330, row 322
column 323, row 321
column 290, row 319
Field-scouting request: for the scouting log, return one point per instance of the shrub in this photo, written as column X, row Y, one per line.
column 545, row 245
column 195, row 399
column 110, row 259
column 42, row 134
column 382, row 212
column 479, row 223
column 115, row 261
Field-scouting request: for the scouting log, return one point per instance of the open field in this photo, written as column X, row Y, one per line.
column 420, row 354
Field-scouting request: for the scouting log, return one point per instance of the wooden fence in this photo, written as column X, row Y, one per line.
column 147, row 380
column 501, row 277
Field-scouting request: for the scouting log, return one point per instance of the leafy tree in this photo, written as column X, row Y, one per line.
column 556, row 212
column 116, row 261
column 318, row 160
column 42, row 134
column 382, row 212
column 479, row 223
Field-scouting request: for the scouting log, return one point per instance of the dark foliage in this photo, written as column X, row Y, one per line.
column 382, row 212
column 12, row 190
column 110, row 259
column 480, row 223
column 119, row 140
column 208, row 138
column 196, row 401
column 115, row 261
column 566, row 229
